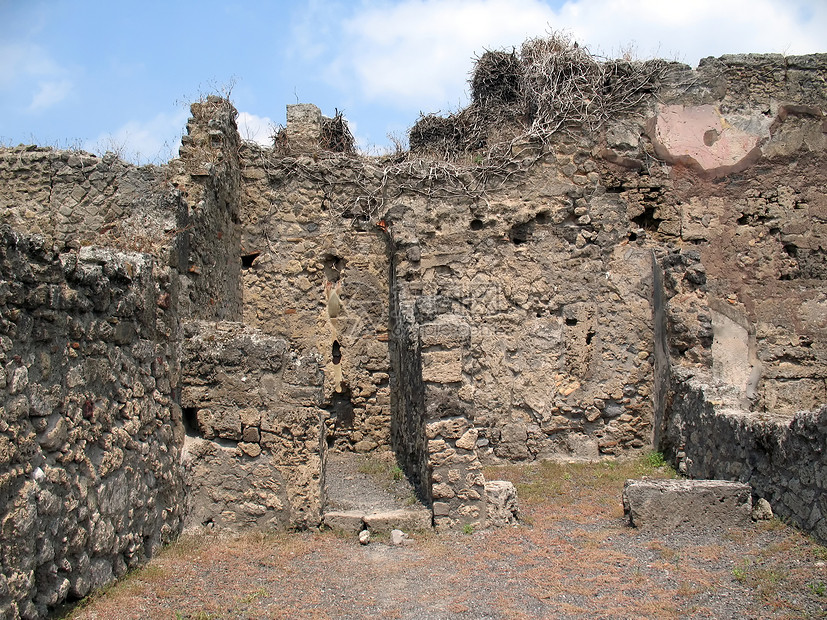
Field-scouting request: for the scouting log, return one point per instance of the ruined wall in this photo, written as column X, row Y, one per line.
column 408, row 416
column 90, row 484
column 745, row 307
column 748, row 198
column 75, row 198
column 207, row 247
column 555, row 361
column 781, row 457
column 318, row 276
column 254, row 449
column 496, row 307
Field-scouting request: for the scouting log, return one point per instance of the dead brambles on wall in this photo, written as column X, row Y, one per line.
column 552, row 85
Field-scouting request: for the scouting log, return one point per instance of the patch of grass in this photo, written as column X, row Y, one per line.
column 373, row 466
column 655, row 459
column 568, row 482
column 818, row 588
column 467, row 529
column 820, row 552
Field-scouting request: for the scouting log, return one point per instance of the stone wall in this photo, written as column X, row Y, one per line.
column 207, row 248
column 90, row 482
column 91, row 429
column 75, row 198
column 781, row 457
column 408, row 416
column 742, row 343
column 254, row 449
column 318, row 276
column 490, row 309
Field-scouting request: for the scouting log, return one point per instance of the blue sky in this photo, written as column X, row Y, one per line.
column 119, row 74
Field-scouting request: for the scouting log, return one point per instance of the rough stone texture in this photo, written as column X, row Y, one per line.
column 75, row 198
column 258, row 405
column 782, row 458
column 91, row 428
column 673, row 504
column 345, row 521
column 89, row 432
column 501, row 503
column 411, row 520
column 462, row 314
column 304, row 126
column 208, row 244
column 322, row 285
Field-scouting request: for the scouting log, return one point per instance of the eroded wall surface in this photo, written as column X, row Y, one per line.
column 100, row 259
column 90, row 481
column 254, row 449
column 781, row 457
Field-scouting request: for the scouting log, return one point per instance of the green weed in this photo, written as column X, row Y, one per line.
column 818, row 588
column 655, row 459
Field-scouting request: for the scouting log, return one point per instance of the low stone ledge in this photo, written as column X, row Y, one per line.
column 404, row 519
column 672, row 504
column 408, row 519
column 344, row 521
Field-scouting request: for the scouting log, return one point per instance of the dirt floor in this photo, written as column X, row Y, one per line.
column 572, row 557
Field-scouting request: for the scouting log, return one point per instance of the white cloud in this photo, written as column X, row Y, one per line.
column 254, row 128
column 155, row 140
column 417, row 53
column 690, row 31
column 26, row 68
column 49, row 94
column 24, row 60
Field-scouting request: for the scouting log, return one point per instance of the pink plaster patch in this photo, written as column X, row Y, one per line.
column 702, row 135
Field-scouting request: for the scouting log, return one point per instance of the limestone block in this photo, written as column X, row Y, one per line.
column 304, row 126
column 345, row 521
column 448, row 428
column 447, row 334
column 671, row 504
column 501, row 503
column 402, row 519
column 468, row 441
column 442, row 509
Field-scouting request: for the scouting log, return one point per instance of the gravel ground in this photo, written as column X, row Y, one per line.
column 367, row 483
column 572, row 557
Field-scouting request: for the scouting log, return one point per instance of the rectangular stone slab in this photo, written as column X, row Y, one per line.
column 672, row 504
column 407, row 520
column 345, row 521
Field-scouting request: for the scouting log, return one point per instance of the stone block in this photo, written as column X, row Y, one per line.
column 445, row 334
column 410, row 519
column 501, row 503
column 304, row 126
column 345, row 521
column 442, row 509
column 672, row 504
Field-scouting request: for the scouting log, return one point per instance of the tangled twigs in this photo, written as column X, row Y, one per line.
column 336, row 135
column 565, row 85
column 552, row 85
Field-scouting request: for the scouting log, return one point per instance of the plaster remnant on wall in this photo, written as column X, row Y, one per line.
column 702, row 136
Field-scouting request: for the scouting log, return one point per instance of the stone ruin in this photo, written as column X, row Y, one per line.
column 182, row 346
